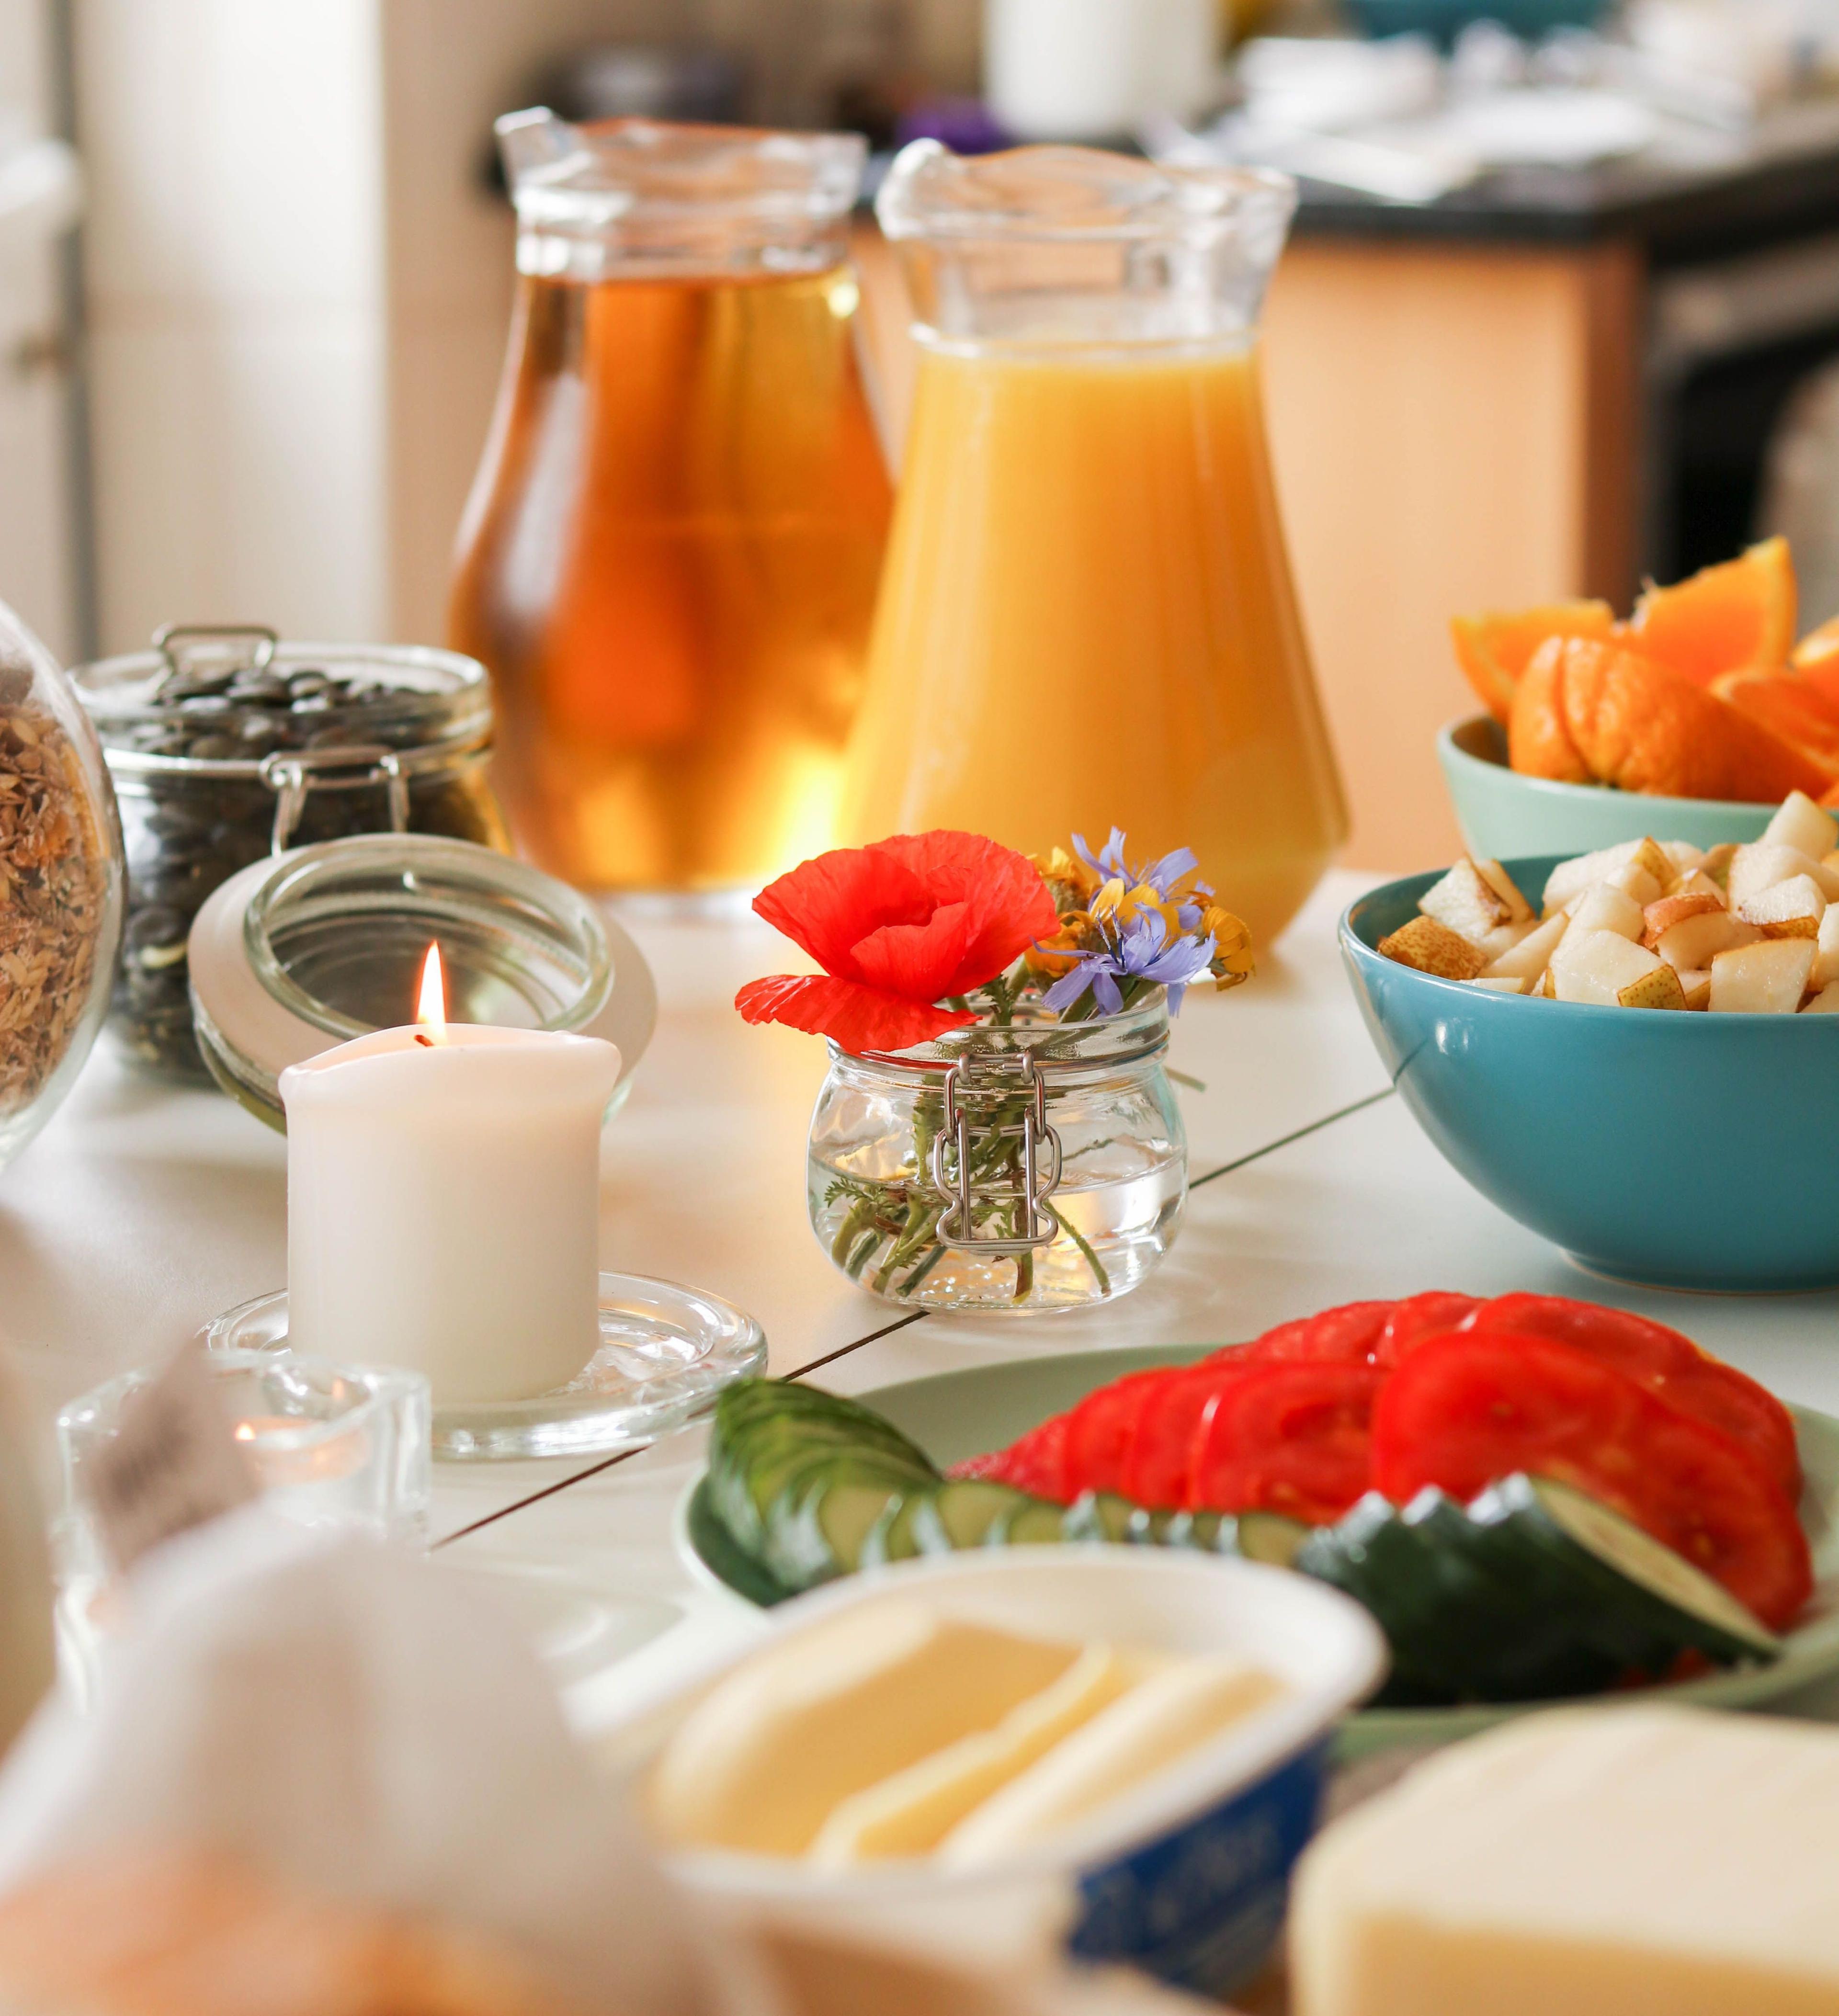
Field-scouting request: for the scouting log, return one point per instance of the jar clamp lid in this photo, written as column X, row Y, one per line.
column 305, row 950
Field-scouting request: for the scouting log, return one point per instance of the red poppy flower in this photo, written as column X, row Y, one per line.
column 897, row 926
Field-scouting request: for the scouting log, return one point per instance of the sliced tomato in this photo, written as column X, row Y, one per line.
column 1464, row 1410
column 1101, row 1431
column 1665, row 1360
column 1156, row 1472
column 1287, row 1437
column 1417, row 1317
column 1034, row 1462
column 1618, row 1336
column 1733, row 1401
column 1343, row 1336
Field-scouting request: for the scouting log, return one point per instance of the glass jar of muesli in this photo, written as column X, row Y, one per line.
column 60, row 885
column 227, row 744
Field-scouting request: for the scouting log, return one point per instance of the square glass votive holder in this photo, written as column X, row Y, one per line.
column 330, row 1446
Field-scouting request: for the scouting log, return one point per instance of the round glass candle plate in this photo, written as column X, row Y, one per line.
column 665, row 1350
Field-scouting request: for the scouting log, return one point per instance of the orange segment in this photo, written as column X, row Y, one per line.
column 1725, row 619
column 1494, row 650
column 1802, row 710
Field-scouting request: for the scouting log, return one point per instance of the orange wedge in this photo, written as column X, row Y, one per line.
column 1802, row 710
column 1727, row 618
column 1494, row 650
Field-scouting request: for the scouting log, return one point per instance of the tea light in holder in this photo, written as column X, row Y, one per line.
column 442, row 1192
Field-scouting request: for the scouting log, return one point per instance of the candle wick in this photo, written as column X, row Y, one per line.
column 426, row 1042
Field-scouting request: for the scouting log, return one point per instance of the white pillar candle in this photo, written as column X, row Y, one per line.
column 442, row 1205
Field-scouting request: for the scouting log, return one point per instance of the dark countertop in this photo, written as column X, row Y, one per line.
column 1698, row 195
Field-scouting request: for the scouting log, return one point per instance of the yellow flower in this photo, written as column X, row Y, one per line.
column 1060, row 953
column 1058, row 865
column 1233, row 960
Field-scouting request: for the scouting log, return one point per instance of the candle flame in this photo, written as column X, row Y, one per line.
column 431, row 1006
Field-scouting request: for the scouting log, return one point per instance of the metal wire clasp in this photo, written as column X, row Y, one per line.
column 1028, row 1196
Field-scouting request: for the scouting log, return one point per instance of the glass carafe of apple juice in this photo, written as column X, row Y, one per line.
column 1086, row 618
column 670, row 555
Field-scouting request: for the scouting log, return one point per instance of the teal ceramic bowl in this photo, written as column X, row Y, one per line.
column 1502, row 813
column 1673, row 1151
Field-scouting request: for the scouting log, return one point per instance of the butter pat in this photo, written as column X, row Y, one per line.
column 770, row 1752
column 1626, row 1862
column 1169, row 1714
column 911, row 1812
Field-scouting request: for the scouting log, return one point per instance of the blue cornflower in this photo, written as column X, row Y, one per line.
column 1140, row 951
column 1161, row 875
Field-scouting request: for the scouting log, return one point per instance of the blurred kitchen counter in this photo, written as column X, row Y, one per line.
column 1462, row 398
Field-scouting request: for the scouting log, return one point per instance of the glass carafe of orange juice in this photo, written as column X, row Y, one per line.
column 1086, row 617
column 669, row 558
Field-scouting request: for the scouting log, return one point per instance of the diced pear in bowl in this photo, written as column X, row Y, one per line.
column 1646, row 875
column 1715, row 865
column 1570, row 879
column 1660, row 918
column 1790, row 909
column 1474, row 900
column 1761, row 864
column 1525, row 961
column 1496, row 984
column 1826, row 962
column 1825, row 1002
column 1607, row 907
column 1684, row 857
column 1768, row 978
column 1695, row 983
column 1799, row 822
column 1607, row 970
column 1434, row 948
column 1695, row 941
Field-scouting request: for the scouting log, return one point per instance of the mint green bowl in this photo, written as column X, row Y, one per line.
column 1503, row 814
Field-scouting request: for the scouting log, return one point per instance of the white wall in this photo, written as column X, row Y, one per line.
column 38, row 526
column 299, row 291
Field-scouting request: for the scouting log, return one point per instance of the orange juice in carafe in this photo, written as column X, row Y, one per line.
column 670, row 558
column 1086, row 617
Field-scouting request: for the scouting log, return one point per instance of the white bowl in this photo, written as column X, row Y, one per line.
column 1187, row 1876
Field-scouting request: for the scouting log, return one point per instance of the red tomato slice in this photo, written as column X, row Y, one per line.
column 1035, row 1462
column 1464, row 1410
column 1417, row 1317
column 1343, row 1336
column 1156, row 1471
column 1618, row 1336
column 1287, row 1437
column 1666, row 1361
column 1101, row 1431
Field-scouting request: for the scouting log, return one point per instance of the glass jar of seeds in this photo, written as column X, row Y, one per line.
column 60, row 886
column 226, row 744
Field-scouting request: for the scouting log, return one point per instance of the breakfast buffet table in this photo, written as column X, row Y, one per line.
column 141, row 1212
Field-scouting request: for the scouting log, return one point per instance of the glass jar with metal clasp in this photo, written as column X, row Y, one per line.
column 1040, row 1165
column 227, row 744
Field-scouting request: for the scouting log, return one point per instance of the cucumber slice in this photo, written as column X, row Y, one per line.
column 1649, row 1603
column 1037, row 1523
column 1264, row 1536
column 961, row 1513
column 893, row 1538
column 1097, row 1515
column 1505, row 1635
column 818, row 1527
column 1200, row 1531
column 1372, row 1556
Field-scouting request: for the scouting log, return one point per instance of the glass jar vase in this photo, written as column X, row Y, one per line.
column 1040, row 1166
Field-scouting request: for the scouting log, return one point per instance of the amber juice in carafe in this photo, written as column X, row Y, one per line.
column 669, row 564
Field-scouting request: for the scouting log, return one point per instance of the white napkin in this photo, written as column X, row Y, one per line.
column 346, row 1717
